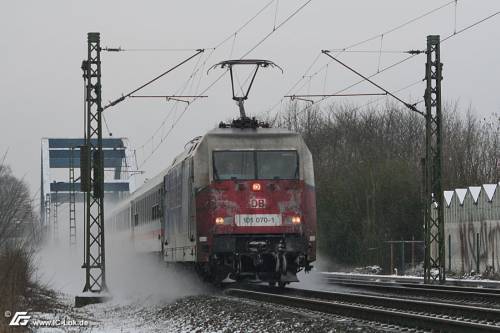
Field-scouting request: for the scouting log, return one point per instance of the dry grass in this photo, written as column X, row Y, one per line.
column 18, row 291
column 16, row 270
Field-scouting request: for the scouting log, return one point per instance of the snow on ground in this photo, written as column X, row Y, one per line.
column 203, row 313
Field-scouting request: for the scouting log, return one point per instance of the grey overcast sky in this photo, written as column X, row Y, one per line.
column 44, row 42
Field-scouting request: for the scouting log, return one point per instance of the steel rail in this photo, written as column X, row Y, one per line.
column 417, row 284
column 473, row 312
column 477, row 290
column 473, row 285
column 482, row 295
column 364, row 311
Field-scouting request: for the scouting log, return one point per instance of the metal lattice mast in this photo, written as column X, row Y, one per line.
column 47, row 213
column 93, row 170
column 55, row 225
column 434, row 266
column 72, row 199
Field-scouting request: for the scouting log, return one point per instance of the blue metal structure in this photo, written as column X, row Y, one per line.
column 64, row 153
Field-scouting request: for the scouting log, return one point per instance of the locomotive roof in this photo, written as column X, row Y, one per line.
column 250, row 131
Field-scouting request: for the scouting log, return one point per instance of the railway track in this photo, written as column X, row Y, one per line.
column 389, row 310
column 411, row 279
column 473, row 285
column 478, row 296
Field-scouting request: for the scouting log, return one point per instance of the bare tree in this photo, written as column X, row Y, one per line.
column 368, row 171
column 15, row 207
column 16, row 234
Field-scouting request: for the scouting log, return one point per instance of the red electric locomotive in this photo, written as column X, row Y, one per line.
column 238, row 203
column 255, row 204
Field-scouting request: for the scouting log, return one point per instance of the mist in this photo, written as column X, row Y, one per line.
column 130, row 276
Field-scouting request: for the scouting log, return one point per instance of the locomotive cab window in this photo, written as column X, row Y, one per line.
column 277, row 165
column 261, row 164
column 234, row 165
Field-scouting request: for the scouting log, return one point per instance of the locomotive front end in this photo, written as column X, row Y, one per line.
column 258, row 213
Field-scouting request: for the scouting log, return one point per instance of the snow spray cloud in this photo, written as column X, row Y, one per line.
column 130, row 275
column 314, row 279
column 144, row 276
column 59, row 265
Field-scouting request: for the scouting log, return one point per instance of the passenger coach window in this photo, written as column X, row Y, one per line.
column 234, row 165
column 273, row 164
column 277, row 165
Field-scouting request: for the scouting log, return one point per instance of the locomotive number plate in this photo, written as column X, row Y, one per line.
column 256, row 220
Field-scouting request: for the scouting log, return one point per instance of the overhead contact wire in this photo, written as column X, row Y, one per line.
column 470, row 26
column 244, row 24
column 412, row 55
column 172, row 109
column 211, row 52
column 277, row 27
column 223, row 74
column 368, row 40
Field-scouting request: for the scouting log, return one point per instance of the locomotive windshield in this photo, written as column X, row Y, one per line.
column 260, row 164
column 234, row 165
column 277, row 165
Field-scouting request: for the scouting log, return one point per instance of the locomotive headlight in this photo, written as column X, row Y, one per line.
column 219, row 220
column 256, row 187
column 296, row 219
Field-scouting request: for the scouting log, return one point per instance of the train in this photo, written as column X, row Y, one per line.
column 237, row 204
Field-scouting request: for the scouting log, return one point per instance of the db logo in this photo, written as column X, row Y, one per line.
column 258, row 203
column 20, row 319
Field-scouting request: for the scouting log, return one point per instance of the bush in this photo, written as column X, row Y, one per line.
column 16, row 270
column 16, row 233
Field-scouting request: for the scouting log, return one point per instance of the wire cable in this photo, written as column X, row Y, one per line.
column 204, row 91
column 172, row 109
column 156, row 78
column 324, row 81
column 280, row 102
column 400, row 26
column 276, row 13
column 380, row 52
column 409, row 106
column 470, row 26
column 259, row 42
column 232, row 46
column 411, row 56
column 363, row 80
column 222, row 42
column 4, row 157
column 106, row 125
column 243, row 26
column 277, row 27
column 395, row 92
column 120, row 49
column 373, row 51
